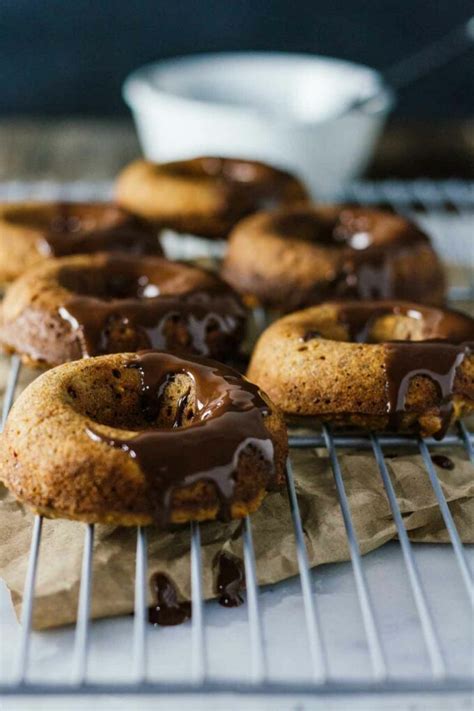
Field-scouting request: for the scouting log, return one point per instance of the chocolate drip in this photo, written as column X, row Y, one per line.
column 228, row 417
column 167, row 611
column 115, row 321
column 442, row 461
column 436, row 361
column 438, row 356
column 230, row 580
column 82, row 228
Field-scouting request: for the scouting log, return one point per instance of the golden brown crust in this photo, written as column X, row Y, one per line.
column 48, row 460
column 303, row 255
column 204, row 196
column 307, row 366
column 36, row 318
column 32, row 232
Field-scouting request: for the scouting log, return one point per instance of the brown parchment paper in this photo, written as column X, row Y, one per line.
column 59, row 568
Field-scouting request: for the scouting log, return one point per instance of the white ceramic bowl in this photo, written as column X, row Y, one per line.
column 276, row 107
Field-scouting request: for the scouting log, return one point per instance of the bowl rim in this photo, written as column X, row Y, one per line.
column 139, row 89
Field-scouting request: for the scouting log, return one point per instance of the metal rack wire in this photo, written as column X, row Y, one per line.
column 378, row 678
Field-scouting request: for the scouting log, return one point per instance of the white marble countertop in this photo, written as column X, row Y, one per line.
column 283, row 618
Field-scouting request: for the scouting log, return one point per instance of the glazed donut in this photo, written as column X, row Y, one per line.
column 135, row 439
column 31, row 232
column 204, row 196
column 88, row 305
column 302, row 255
column 380, row 365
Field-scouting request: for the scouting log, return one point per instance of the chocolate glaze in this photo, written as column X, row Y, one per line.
column 167, row 611
column 367, row 242
column 230, row 580
column 446, row 342
column 436, row 361
column 246, row 185
column 131, row 307
column 83, row 228
column 228, row 416
column 441, row 460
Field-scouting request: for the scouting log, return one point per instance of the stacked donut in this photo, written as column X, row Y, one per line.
column 141, row 418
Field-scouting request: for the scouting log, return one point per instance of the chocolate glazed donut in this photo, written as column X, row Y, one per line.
column 143, row 438
column 386, row 365
column 89, row 305
column 33, row 232
column 303, row 255
column 204, row 196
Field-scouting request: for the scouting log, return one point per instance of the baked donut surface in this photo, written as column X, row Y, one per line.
column 32, row 232
column 378, row 365
column 135, row 439
column 301, row 255
column 204, row 196
column 88, row 305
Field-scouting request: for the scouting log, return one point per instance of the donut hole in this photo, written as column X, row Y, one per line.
column 131, row 277
column 325, row 228
column 119, row 401
column 303, row 225
column 108, row 283
column 377, row 322
column 238, row 171
column 66, row 217
column 351, row 228
column 391, row 322
column 399, row 327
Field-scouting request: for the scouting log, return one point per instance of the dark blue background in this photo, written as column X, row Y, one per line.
column 71, row 56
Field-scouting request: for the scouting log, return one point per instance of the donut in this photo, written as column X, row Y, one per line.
column 302, row 255
column 31, row 232
column 387, row 365
column 204, row 196
column 93, row 304
column 141, row 438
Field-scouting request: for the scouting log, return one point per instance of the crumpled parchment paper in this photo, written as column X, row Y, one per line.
column 59, row 570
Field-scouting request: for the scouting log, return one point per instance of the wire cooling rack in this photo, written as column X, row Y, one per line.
column 441, row 204
column 378, row 678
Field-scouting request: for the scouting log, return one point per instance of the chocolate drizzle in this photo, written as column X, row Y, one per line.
column 230, row 580
column 167, row 610
column 227, row 417
column 441, row 460
column 444, row 344
column 132, row 314
column 79, row 228
column 364, row 244
column 436, row 361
